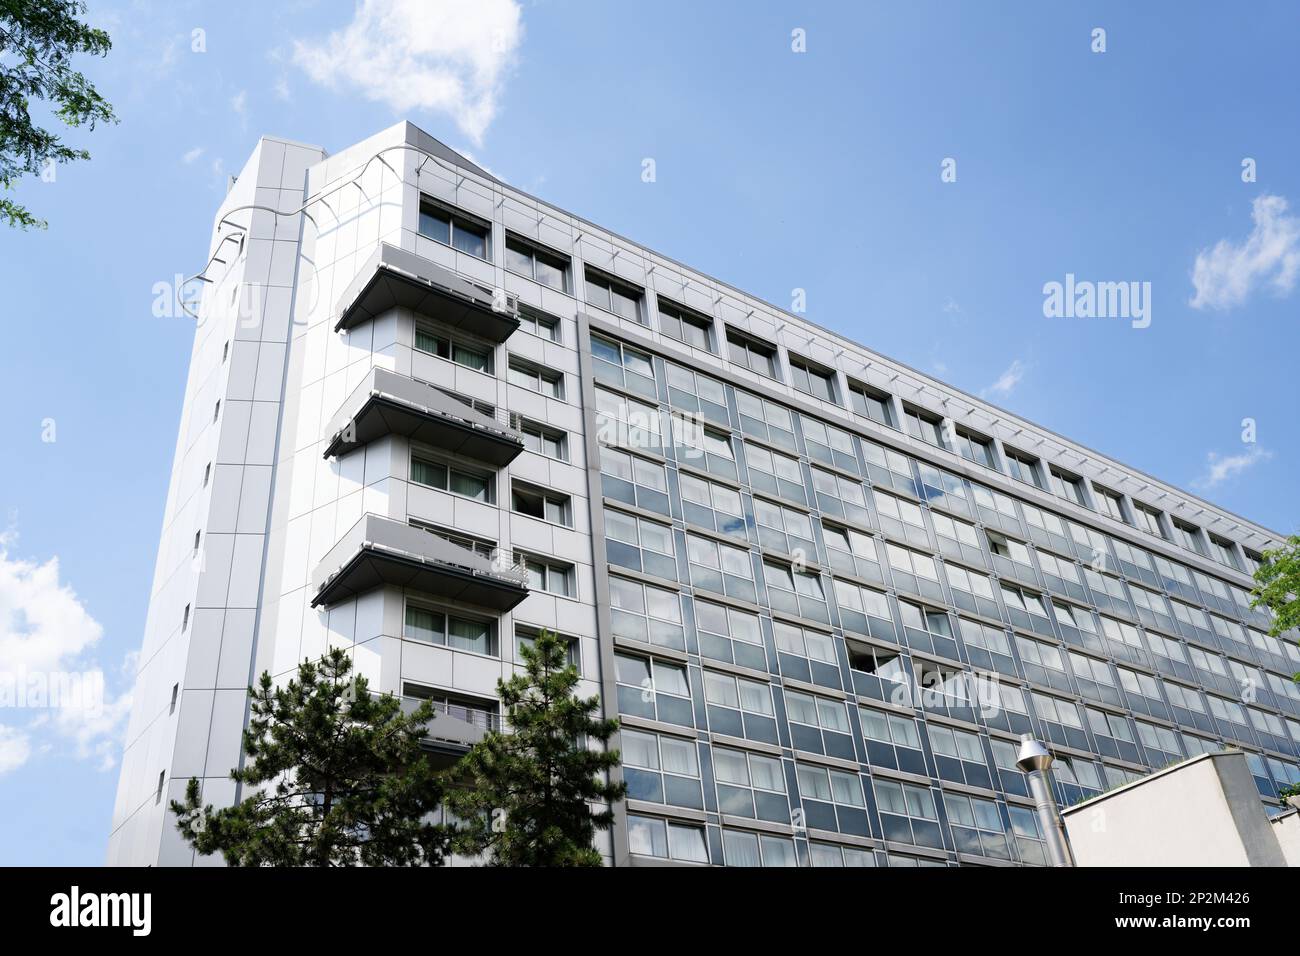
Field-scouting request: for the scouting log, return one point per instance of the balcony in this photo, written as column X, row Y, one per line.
column 393, row 278
column 380, row 551
column 455, row 727
column 386, row 403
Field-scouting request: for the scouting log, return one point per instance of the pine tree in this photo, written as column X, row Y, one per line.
column 338, row 779
column 524, row 796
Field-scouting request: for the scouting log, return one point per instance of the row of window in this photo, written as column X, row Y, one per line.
column 638, row 425
column 550, row 268
column 464, row 352
column 431, row 625
column 547, row 267
column 542, row 573
column 664, row 769
column 790, row 532
column 653, row 614
column 819, row 381
column 467, row 482
column 667, row 770
column 744, row 707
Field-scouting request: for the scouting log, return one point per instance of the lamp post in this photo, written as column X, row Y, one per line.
column 1036, row 762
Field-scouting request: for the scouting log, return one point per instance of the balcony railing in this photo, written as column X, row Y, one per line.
column 481, row 719
column 379, row 551
column 455, row 727
column 388, row 403
column 394, row 278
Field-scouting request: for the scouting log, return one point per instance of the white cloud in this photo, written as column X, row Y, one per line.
column 46, row 640
column 443, row 55
column 239, row 102
column 96, row 731
column 15, row 748
column 191, row 155
column 1226, row 275
column 42, row 622
column 1007, row 381
column 1219, row 468
column 952, row 305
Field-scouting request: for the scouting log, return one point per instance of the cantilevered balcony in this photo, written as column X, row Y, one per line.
column 379, row 551
column 386, row 403
column 455, row 727
column 394, row 278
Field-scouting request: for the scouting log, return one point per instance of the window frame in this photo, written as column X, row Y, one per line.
column 534, row 250
column 457, row 220
column 684, row 316
column 601, row 280
column 751, row 345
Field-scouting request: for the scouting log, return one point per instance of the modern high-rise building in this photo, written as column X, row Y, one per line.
column 429, row 414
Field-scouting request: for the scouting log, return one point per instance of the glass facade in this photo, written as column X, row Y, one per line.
column 850, row 638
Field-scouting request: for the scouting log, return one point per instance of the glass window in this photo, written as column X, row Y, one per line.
column 548, row 575
column 814, row 711
column 925, row 426
column 738, row 693
column 543, row 381
column 1223, row 552
column 1023, row 468
column 627, row 422
column 912, row 562
column 889, row 728
column 813, row 379
column 1148, row 519
column 614, row 296
column 543, row 266
column 1188, row 536
column 435, row 474
column 460, row 633
column 539, row 323
column 623, row 366
column 974, row 448
column 544, row 440
column 976, row 825
column 526, row 636
column 872, row 403
column 972, row 582
column 1112, row 503
column 954, row 530
column 645, row 612
column 1067, row 486
column 756, row 355
column 804, row 642
column 541, row 503
column 454, row 229
column 470, row 355
column 742, row 848
column 900, row 509
column 685, row 326
column 651, row 836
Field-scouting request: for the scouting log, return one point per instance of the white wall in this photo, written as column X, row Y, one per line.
column 1203, row 812
column 238, row 359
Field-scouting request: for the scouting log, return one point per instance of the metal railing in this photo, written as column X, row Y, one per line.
column 380, row 532
column 396, row 386
column 508, row 421
column 476, row 717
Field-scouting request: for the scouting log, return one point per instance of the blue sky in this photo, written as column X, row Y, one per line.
column 775, row 170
